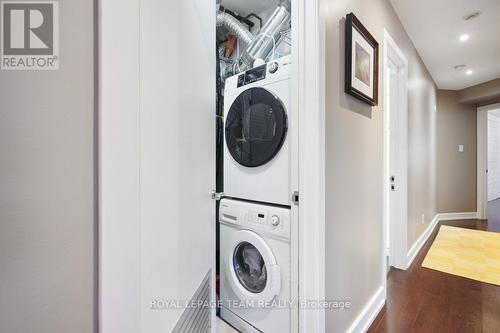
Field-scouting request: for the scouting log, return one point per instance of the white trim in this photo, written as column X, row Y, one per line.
column 294, row 170
column 369, row 313
column 482, row 162
column 458, row 216
column 417, row 246
column 415, row 249
column 482, row 158
column 308, row 98
column 398, row 232
column 388, row 41
column 214, row 325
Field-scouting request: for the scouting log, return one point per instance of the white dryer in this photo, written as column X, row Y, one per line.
column 255, row 266
column 257, row 133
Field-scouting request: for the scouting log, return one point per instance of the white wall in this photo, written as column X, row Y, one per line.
column 493, row 156
column 47, row 187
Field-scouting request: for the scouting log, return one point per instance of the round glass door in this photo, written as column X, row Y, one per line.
column 249, row 267
column 256, row 127
column 252, row 270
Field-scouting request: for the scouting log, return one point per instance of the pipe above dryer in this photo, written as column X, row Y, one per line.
column 235, row 27
column 263, row 44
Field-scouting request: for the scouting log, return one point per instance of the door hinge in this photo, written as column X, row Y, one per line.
column 295, row 198
column 217, row 195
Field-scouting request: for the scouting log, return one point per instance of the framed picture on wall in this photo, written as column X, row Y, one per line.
column 361, row 62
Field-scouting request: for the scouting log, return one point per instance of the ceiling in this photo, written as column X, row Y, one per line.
column 435, row 27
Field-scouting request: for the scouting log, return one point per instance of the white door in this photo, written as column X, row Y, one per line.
column 177, row 162
column 395, row 154
column 157, row 160
column 394, row 181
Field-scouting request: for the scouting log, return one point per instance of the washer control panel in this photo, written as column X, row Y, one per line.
column 258, row 217
column 270, row 219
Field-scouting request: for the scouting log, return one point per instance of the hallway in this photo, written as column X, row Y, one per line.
column 423, row 300
column 494, row 215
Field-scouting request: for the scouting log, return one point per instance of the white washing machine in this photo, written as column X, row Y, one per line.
column 257, row 133
column 255, row 266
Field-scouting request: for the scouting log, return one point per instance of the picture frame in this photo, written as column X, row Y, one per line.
column 361, row 62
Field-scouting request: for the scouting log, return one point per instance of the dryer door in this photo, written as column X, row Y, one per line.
column 253, row 272
column 256, row 127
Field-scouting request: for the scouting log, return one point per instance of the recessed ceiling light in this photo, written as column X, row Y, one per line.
column 469, row 72
column 464, row 38
column 459, row 67
column 471, row 16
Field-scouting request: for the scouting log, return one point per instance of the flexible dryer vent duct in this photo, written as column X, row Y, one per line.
column 235, row 27
column 262, row 45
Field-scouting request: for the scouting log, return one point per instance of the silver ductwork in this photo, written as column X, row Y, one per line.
column 287, row 4
column 262, row 45
column 235, row 27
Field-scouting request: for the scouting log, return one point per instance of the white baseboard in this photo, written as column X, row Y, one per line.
column 369, row 313
column 415, row 249
column 371, row 310
column 458, row 216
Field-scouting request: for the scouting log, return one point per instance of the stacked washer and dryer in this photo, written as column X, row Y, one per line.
column 254, row 214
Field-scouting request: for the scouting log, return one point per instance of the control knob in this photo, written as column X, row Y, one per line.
column 273, row 67
column 275, row 220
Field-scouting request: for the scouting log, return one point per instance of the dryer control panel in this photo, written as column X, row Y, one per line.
column 252, row 75
column 270, row 219
column 273, row 71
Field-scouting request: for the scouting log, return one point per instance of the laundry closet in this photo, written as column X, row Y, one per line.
column 199, row 165
column 254, row 155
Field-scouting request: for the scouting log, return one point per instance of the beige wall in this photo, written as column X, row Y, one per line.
column 481, row 94
column 456, row 171
column 354, row 161
column 47, row 187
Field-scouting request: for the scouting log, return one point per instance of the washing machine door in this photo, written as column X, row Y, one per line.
column 253, row 272
column 256, row 127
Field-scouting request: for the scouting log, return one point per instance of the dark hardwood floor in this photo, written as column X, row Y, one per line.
column 424, row 300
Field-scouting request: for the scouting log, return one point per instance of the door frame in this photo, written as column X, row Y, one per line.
column 482, row 159
column 397, row 232
column 308, row 174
